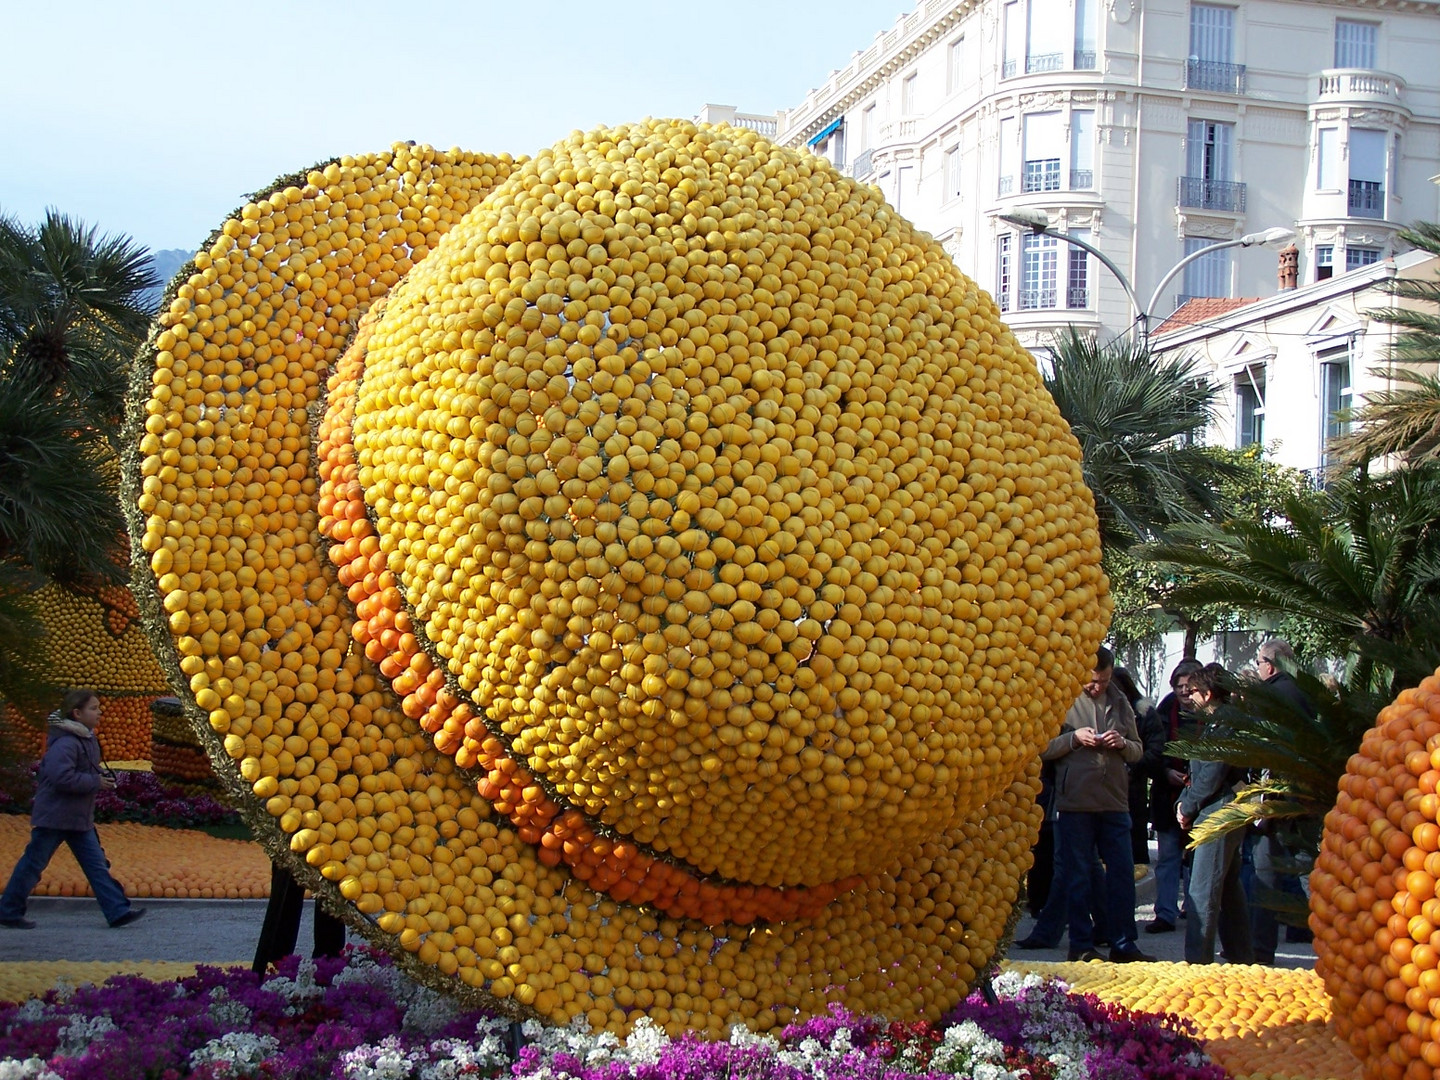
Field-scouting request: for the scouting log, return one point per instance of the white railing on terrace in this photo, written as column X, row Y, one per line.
column 761, row 125
column 887, row 43
column 898, row 130
column 1361, row 83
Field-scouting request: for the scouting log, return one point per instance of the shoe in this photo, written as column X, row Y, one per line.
column 1131, row 954
column 135, row 914
column 1035, row 943
column 1160, row 926
column 18, row 924
column 1083, row 956
column 1140, row 871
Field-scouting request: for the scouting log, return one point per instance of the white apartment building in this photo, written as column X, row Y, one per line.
column 1151, row 129
column 1291, row 366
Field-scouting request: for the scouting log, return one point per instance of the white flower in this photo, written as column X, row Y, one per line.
column 297, row 991
column 236, row 1053
column 29, row 1069
column 646, row 1042
column 81, row 1031
column 227, row 1012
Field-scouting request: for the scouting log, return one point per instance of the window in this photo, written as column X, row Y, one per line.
column 1003, row 246
column 904, row 187
column 867, row 127
column 1014, row 39
column 1250, row 407
column 1356, row 257
column 1044, row 137
column 1047, row 36
column 907, row 95
column 1009, row 154
column 1082, row 150
column 1085, row 47
column 1355, row 43
column 1329, row 170
column 954, row 65
column 1208, row 153
column 1324, row 262
column 950, row 174
column 1367, row 173
column 1334, row 397
column 1040, row 264
column 1208, row 275
column 1211, row 64
column 1077, row 282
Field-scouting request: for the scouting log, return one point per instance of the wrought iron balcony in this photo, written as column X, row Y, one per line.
column 1045, row 62
column 1007, row 185
column 860, row 167
column 1077, row 296
column 1082, row 180
column 1042, row 175
column 1085, row 60
column 1202, row 194
column 1367, row 198
column 1036, row 299
column 1007, row 69
column 1210, row 75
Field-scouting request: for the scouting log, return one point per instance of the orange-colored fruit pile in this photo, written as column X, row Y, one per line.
column 124, row 730
column 701, row 550
column 1259, row 1023
column 152, row 861
column 1372, row 904
column 175, row 753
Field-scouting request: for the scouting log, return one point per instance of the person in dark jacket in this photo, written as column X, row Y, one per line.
column 1167, row 781
column 1215, row 898
column 1269, row 856
column 1152, row 737
column 64, row 813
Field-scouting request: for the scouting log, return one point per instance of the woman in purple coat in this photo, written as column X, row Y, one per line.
column 64, row 813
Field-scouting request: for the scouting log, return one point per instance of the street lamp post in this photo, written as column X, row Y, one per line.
column 1037, row 221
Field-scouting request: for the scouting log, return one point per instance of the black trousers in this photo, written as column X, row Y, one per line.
column 281, row 927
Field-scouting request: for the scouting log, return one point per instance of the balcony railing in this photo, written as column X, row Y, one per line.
column 1217, row 77
column 1042, row 175
column 1036, row 299
column 1007, row 69
column 860, row 167
column 1085, row 60
column 1082, row 179
column 1202, row 194
column 1362, row 83
column 1077, row 296
column 1044, row 62
column 1367, row 198
column 1007, row 185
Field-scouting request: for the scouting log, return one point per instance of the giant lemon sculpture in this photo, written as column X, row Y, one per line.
column 637, row 580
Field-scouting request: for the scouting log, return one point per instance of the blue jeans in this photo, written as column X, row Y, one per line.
column 1109, row 833
column 1050, row 924
column 85, row 845
column 1216, row 902
column 1169, row 874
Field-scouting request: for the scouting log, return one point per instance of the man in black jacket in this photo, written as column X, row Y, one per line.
column 1268, row 855
column 1167, row 781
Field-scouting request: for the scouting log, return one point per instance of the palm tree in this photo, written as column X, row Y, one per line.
column 73, row 310
column 1405, row 420
column 1140, row 420
column 74, row 306
column 1360, row 566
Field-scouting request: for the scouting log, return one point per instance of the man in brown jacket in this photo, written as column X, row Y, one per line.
column 1092, row 796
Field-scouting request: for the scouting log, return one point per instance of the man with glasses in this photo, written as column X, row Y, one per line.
column 1092, row 798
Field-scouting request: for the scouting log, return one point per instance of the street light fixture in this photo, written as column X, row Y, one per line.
column 1037, row 221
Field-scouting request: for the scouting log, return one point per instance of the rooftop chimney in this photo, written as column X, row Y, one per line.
column 1289, row 273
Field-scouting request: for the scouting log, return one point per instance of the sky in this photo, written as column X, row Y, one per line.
column 155, row 118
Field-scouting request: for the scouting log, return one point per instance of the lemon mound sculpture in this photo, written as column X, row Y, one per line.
column 1373, row 903
column 633, row 581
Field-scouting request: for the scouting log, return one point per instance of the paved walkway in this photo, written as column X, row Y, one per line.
column 196, row 931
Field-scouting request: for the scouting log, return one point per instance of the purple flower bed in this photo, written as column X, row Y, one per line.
column 359, row 1019
column 137, row 796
